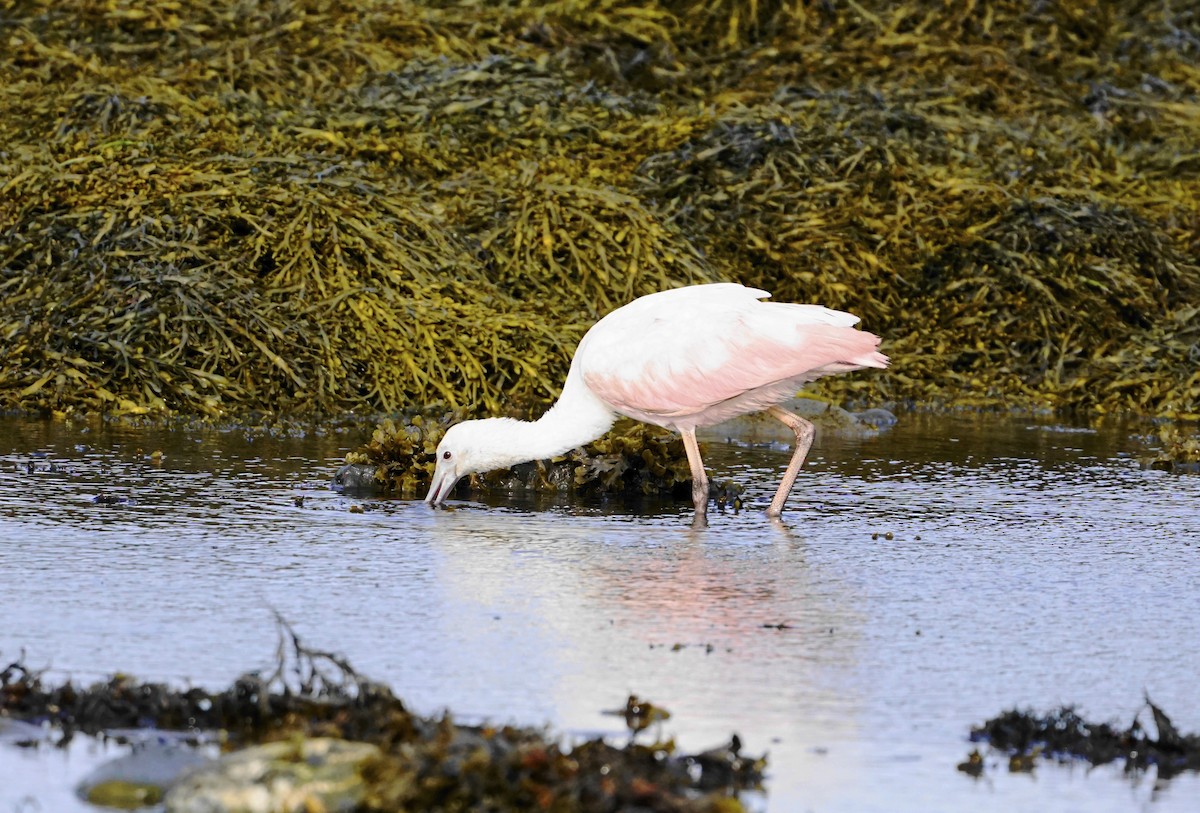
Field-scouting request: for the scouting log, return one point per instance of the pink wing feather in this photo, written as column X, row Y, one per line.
column 695, row 356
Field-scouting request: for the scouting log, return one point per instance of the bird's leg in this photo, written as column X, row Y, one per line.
column 804, row 438
column 699, row 478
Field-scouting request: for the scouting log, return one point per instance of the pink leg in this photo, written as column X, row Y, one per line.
column 699, row 478
column 804, row 438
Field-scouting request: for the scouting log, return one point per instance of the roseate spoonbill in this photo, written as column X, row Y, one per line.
column 681, row 358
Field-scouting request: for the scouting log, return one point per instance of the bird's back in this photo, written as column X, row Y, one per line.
column 695, row 356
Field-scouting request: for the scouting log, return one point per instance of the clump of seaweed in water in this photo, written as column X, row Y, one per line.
column 1025, row 735
column 1178, row 449
column 425, row 763
column 633, row 458
column 403, row 453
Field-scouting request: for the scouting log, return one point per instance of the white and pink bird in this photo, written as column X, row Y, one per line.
column 682, row 359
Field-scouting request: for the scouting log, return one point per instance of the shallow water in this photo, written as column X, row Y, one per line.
column 1027, row 567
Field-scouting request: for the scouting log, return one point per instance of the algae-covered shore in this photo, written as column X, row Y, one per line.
column 306, row 207
column 313, row 734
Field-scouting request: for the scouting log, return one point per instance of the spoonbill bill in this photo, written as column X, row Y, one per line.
column 681, row 358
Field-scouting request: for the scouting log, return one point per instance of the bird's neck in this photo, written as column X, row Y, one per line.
column 577, row 418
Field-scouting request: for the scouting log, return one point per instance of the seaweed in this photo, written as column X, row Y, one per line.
column 1178, row 449
column 309, row 207
column 402, row 453
column 424, row 763
column 634, row 458
column 1025, row 736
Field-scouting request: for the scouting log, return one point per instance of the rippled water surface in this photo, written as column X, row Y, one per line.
column 1027, row 566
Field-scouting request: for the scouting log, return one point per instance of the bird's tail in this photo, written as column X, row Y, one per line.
column 847, row 349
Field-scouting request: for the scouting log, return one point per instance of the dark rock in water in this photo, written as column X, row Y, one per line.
column 877, row 417
column 726, row 493
column 1176, row 466
column 829, row 419
column 356, row 478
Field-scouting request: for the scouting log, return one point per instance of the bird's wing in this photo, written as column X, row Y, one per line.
column 683, row 351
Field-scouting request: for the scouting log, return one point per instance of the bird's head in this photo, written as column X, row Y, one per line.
column 467, row 448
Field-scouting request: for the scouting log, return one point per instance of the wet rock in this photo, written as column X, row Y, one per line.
column 124, row 795
column 297, row 775
column 827, row 417
column 877, row 417
column 356, row 478
column 1176, row 466
column 726, row 493
column 822, row 413
column 1061, row 429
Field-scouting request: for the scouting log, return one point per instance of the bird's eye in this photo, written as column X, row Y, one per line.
column 445, row 455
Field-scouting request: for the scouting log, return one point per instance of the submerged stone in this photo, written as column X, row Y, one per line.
column 876, row 417
column 124, row 795
column 297, row 775
column 141, row 777
column 356, row 478
column 826, row 417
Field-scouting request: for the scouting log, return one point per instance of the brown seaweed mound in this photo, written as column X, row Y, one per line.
column 633, row 459
column 305, row 207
